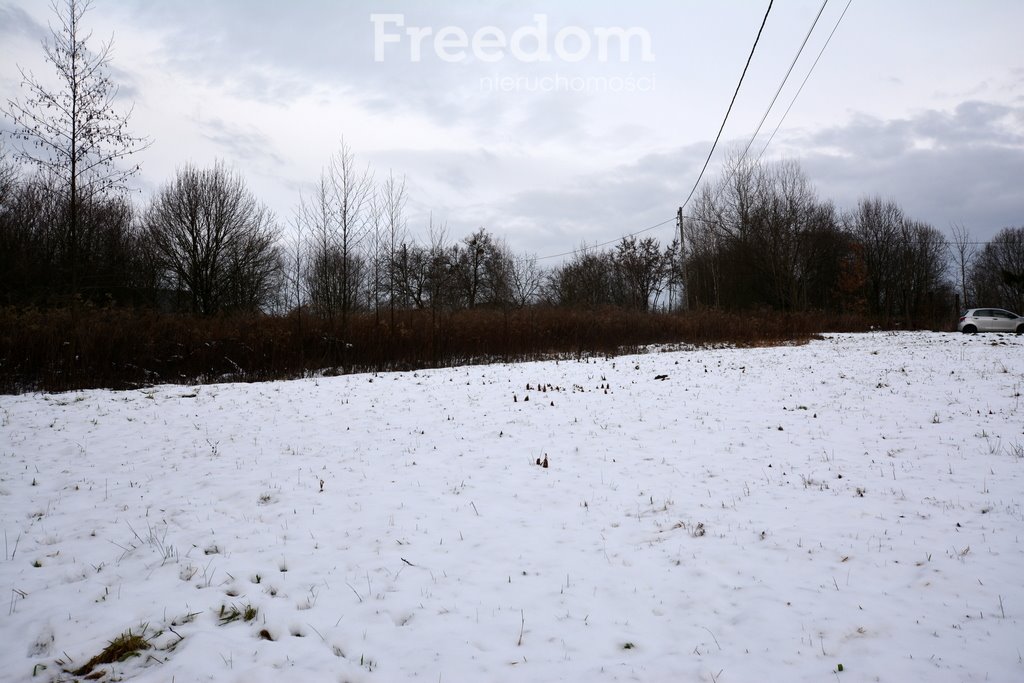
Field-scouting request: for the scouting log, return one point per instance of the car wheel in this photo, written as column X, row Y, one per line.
column 1020, row 328
column 970, row 329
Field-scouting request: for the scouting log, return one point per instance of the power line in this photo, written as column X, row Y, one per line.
column 785, row 78
column 605, row 244
column 795, row 96
column 801, row 88
column 771, row 104
column 734, row 95
column 590, row 247
column 708, row 160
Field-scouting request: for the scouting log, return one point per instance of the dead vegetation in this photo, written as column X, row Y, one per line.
column 81, row 348
column 121, row 648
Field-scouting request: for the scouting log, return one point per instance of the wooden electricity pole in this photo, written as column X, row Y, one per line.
column 683, row 294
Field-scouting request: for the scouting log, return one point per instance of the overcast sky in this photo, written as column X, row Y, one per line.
column 918, row 100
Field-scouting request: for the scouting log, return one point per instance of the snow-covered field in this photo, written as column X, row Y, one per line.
column 759, row 515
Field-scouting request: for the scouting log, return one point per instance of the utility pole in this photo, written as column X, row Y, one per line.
column 683, row 294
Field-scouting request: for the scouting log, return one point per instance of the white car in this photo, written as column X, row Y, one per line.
column 990, row 320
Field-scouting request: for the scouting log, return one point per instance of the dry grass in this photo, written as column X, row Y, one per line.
column 125, row 646
column 232, row 613
column 69, row 349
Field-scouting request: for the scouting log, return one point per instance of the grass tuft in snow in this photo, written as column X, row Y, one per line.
column 121, row 648
column 231, row 613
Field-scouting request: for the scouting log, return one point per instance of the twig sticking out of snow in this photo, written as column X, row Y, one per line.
column 713, row 638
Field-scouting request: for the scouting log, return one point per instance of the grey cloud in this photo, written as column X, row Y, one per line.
column 248, row 145
column 272, row 51
column 598, row 207
column 971, row 123
column 939, row 164
column 979, row 187
column 972, row 174
column 128, row 89
column 553, row 115
column 267, row 89
column 456, row 176
column 16, row 21
column 604, row 205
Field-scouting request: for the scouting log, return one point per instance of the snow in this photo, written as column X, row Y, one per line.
column 761, row 514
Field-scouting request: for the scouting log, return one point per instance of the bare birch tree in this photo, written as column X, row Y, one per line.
column 73, row 130
column 393, row 200
column 352, row 189
column 316, row 215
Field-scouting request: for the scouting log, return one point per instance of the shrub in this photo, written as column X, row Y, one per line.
column 80, row 348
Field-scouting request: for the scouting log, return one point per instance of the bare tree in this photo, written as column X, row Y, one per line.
column 73, row 129
column 903, row 262
column 295, row 258
column 702, row 236
column 27, row 242
column 393, row 199
column 641, row 269
column 877, row 226
column 8, row 179
column 375, row 254
column 761, row 237
column 317, row 219
column 409, row 269
column 386, row 232
column 586, row 280
column 526, row 280
column 997, row 275
column 473, row 254
column 674, row 276
column 721, row 232
column 483, row 265
column 786, row 210
column 352, row 190
column 963, row 251
column 921, row 275
column 442, row 280
column 215, row 240
column 339, row 216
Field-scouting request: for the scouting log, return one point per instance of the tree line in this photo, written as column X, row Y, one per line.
column 761, row 237
column 758, row 237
